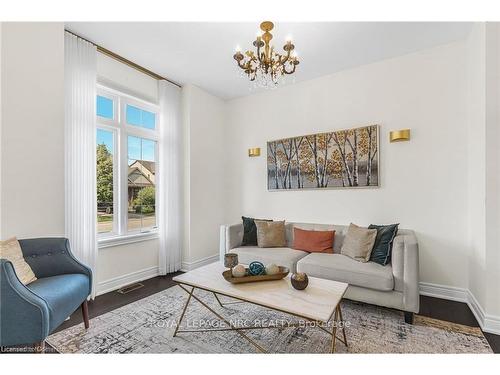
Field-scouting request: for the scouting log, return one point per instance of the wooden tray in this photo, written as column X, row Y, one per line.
column 250, row 279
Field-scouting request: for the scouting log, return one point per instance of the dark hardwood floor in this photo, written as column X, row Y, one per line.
column 451, row 311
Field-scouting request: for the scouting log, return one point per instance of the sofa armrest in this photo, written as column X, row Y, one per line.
column 231, row 236
column 52, row 256
column 405, row 268
column 24, row 316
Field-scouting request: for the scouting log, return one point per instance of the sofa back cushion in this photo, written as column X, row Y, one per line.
column 270, row 233
column 313, row 241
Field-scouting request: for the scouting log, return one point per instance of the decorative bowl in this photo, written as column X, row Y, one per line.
column 299, row 280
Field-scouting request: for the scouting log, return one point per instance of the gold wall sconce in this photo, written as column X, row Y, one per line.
column 252, row 152
column 399, row 135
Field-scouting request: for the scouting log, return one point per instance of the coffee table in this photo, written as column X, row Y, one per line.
column 319, row 303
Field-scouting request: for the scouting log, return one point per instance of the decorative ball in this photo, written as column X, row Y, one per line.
column 256, row 268
column 299, row 280
column 272, row 269
column 239, row 271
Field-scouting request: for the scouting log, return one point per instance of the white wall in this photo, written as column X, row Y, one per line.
column 126, row 79
column 423, row 182
column 484, row 158
column 32, row 142
column 204, row 153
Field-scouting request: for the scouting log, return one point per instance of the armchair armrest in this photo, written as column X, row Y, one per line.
column 52, row 256
column 231, row 236
column 19, row 304
column 405, row 267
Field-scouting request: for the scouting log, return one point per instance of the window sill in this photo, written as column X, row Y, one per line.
column 103, row 243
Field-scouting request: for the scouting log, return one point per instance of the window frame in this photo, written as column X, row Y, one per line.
column 121, row 130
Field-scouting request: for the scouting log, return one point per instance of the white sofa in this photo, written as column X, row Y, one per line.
column 394, row 285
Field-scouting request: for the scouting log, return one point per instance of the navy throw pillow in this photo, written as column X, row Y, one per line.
column 381, row 252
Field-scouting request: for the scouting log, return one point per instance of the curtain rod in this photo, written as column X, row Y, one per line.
column 123, row 60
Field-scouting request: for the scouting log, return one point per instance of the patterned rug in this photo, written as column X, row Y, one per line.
column 147, row 326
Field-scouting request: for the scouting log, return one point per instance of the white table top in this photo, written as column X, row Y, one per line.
column 317, row 302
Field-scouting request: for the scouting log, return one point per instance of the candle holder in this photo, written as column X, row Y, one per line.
column 230, row 260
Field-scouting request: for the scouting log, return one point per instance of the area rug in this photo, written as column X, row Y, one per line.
column 147, row 326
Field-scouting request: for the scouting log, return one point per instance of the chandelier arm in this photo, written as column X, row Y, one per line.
column 284, row 59
column 289, row 72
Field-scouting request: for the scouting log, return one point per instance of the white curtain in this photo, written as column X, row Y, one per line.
column 170, row 186
column 80, row 59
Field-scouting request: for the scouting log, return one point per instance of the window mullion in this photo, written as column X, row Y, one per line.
column 123, row 178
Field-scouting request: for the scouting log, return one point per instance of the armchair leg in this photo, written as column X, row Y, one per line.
column 85, row 313
column 408, row 317
column 39, row 347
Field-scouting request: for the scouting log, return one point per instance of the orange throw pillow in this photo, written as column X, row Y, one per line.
column 313, row 241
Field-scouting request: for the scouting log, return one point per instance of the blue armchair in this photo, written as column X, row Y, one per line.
column 29, row 313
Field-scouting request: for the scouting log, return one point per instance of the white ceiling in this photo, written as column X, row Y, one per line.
column 201, row 53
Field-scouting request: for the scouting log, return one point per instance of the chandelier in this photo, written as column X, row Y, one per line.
column 266, row 67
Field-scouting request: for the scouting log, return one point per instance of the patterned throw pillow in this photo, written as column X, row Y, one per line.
column 11, row 250
column 270, row 233
column 358, row 243
column 250, row 231
column 382, row 249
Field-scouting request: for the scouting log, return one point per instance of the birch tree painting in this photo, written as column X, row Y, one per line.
column 344, row 158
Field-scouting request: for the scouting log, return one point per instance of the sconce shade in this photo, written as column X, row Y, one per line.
column 254, row 151
column 399, row 135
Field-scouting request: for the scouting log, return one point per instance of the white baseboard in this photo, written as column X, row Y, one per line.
column 188, row 266
column 488, row 323
column 445, row 292
column 130, row 278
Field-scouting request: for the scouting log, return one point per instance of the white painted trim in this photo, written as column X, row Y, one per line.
column 445, row 292
column 105, row 242
column 188, row 266
column 130, row 278
column 488, row 323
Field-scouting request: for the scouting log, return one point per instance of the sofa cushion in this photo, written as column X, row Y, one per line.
column 250, row 231
column 281, row 256
column 358, row 243
column 313, row 241
column 62, row 293
column 270, row 233
column 381, row 252
column 339, row 267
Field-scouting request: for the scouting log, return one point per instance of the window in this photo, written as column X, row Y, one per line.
column 141, row 183
column 140, row 117
column 126, row 164
column 105, row 180
column 105, row 107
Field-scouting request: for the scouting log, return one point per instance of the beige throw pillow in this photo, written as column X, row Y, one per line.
column 358, row 243
column 11, row 250
column 270, row 233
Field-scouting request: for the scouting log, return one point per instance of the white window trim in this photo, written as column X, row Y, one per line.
column 121, row 130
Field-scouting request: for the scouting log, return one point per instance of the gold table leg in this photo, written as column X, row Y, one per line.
column 233, row 328
column 183, row 311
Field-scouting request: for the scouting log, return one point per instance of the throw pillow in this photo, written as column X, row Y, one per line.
column 270, row 233
column 381, row 252
column 358, row 243
column 11, row 250
column 313, row 241
column 250, row 231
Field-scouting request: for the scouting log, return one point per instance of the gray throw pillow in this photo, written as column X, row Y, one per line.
column 358, row 243
column 271, row 233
